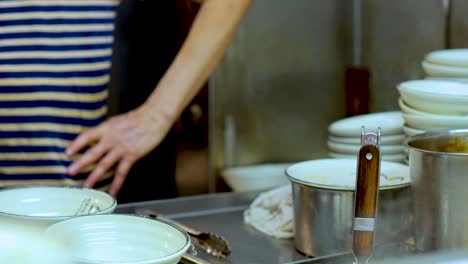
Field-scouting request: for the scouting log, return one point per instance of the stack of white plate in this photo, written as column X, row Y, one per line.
column 451, row 64
column 432, row 105
column 344, row 140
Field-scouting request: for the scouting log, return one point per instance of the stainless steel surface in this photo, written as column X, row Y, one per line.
column 222, row 213
column 439, row 181
column 286, row 66
column 324, row 219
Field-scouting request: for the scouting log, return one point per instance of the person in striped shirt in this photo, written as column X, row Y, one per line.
column 54, row 73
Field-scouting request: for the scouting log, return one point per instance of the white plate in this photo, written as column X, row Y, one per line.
column 255, row 177
column 354, row 149
column 384, row 140
column 340, row 174
column 386, row 157
column 436, row 122
column 406, row 109
column 437, row 70
column 454, row 57
column 121, row 239
column 389, row 122
column 436, row 96
column 46, row 205
column 411, row 131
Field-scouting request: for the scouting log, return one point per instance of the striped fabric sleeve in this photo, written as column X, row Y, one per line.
column 55, row 59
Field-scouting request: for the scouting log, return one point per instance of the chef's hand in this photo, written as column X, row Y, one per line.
column 120, row 141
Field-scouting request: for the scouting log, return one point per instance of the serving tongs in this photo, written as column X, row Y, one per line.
column 209, row 242
column 366, row 196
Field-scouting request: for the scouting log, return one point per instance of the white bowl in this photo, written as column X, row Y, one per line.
column 453, row 79
column 438, row 70
column 386, row 157
column 389, row 122
column 255, row 177
column 453, row 57
column 123, row 239
column 340, row 174
column 22, row 244
column 354, row 149
column 42, row 206
column 406, row 109
column 411, row 131
column 384, row 140
column 436, row 96
column 436, row 122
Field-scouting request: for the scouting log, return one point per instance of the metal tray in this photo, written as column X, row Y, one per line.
column 222, row 213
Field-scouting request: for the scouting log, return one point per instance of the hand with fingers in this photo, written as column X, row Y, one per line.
column 119, row 142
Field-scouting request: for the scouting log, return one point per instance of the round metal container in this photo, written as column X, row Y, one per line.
column 439, row 174
column 323, row 215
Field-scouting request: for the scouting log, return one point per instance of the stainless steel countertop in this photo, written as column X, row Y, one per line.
column 222, row 213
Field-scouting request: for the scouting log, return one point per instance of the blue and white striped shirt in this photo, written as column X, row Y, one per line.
column 55, row 59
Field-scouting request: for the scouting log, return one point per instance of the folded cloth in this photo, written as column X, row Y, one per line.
column 272, row 213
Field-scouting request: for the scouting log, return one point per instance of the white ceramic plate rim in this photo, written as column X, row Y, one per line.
column 350, row 149
column 437, row 70
column 351, row 126
column 436, row 89
column 456, row 57
column 385, row 140
column 60, row 217
column 406, row 109
column 432, row 122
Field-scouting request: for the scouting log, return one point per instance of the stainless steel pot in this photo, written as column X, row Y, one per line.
column 439, row 174
column 324, row 217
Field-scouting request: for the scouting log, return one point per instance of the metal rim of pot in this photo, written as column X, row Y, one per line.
column 435, row 134
column 336, row 187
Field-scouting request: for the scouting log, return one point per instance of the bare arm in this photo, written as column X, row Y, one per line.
column 124, row 139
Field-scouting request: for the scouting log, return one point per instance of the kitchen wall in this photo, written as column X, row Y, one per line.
column 282, row 82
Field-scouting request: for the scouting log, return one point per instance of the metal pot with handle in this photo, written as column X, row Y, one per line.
column 324, row 196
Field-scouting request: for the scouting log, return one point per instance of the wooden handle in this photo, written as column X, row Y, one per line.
column 365, row 210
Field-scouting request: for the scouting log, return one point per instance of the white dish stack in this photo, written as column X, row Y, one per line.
column 344, row 140
column 450, row 64
column 433, row 105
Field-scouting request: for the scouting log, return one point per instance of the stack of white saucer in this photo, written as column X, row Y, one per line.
column 344, row 139
column 450, row 64
column 433, row 105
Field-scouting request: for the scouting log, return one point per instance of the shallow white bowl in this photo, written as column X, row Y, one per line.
column 436, row 122
column 340, row 174
column 255, row 177
column 384, row 140
column 411, row 131
column 22, row 244
column 389, row 122
column 438, row 70
column 42, row 206
column 461, row 80
column 453, row 57
column 406, row 109
column 123, row 239
column 436, row 96
column 386, row 157
column 354, row 149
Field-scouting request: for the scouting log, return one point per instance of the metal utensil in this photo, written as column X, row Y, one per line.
column 367, row 189
column 211, row 243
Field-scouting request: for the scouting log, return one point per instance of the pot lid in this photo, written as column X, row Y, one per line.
column 340, row 174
